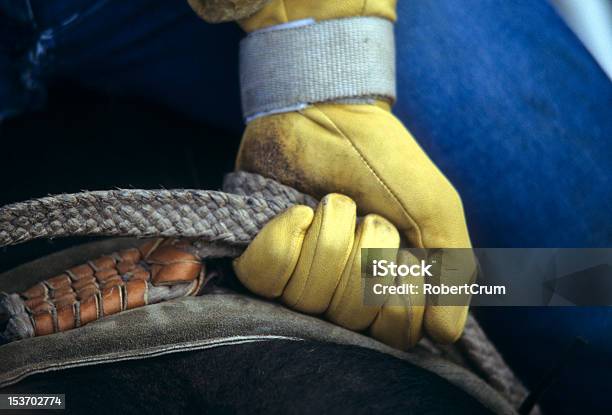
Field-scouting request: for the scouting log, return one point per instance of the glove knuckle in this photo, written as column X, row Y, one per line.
column 451, row 197
column 338, row 200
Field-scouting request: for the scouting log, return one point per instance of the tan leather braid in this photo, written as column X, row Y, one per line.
column 159, row 270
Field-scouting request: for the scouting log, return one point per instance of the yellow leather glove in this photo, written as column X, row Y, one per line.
column 366, row 153
column 311, row 261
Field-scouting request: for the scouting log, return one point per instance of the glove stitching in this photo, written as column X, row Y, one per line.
column 406, row 317
column 314, row 255
column 285, row 10
column 295, row 247
column 363, row 7
column 351, row 261
column 348, row 258
column 301, row 295
column 408, row 306
column 379, row 179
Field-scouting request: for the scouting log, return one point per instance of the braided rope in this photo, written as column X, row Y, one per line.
column 222, row 223
column 212, row 216
column 476, row 347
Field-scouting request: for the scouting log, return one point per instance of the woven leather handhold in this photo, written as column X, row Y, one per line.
column 113, row 283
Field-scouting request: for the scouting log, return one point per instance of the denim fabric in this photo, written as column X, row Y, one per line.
column 516, row 112
column 513, row 109
column 152, row 49
column 500, row 94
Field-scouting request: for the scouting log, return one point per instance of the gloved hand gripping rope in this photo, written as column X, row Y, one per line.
column 317, row 82
column 197, row 225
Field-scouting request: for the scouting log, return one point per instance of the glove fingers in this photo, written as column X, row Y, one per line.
column 400, row 321
column 266, row 265
column 445, row 317
column 325, row 252
column 444, row 324
column 347, row 307
column 391, row 326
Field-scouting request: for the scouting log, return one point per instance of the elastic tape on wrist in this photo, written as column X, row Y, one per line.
column 291, row 66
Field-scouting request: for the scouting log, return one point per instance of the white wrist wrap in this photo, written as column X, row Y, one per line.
column 288, row 67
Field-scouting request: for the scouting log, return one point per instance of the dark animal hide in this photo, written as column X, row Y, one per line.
column 297, row 377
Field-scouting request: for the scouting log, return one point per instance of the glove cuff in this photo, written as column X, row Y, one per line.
column 288, row 67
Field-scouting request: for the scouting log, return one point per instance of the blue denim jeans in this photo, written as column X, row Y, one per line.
column 500, row 94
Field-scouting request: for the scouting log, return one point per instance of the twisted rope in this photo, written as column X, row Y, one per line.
column 222, row 223
column 482, row 355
